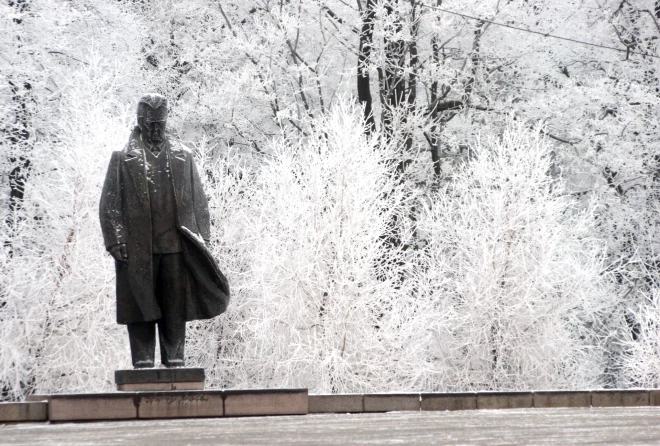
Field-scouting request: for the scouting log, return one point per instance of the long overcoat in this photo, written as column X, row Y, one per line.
column 125, row 215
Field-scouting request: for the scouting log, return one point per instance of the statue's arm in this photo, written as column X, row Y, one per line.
column 111, row 209
column 201, row 204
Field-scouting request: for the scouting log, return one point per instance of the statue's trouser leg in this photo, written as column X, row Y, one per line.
column 142, row 336
column 170, row 294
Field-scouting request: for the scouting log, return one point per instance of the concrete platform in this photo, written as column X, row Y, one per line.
column 620, row 398
column 348, row 403
column 27, row 411
column 386, row 402
column 449, row 401
column 562, row 399
column 505, row 400
column 242, row 403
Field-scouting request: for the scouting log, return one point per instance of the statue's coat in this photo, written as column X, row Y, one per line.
column 125, row 216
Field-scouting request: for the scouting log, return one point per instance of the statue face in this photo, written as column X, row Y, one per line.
column 152, row 131
column 152, row 123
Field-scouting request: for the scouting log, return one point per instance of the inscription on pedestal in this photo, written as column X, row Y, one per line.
column 181, row 405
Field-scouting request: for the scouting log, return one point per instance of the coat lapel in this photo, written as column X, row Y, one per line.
column 135, row 165
column 177, row 160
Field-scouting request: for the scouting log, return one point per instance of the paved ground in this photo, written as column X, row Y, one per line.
column 616, row 426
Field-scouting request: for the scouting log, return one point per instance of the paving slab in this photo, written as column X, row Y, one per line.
column 180, row 404
column 556, row 426
column 505, row 400
column 383, row 402
column 26, row 411
column 266, row 402
column 558, row 398
column 350, row 403
column 449, row 401
column 619, row 398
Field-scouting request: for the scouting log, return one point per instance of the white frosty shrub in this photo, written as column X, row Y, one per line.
column 512, row 276
column 58, row 325
column 640, row 362
column 217, row 344
column 318, row 303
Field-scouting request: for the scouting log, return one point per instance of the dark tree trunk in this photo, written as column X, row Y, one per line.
column 364, row 55
column 18, row 137
column 391, row 76
column 475, row 57
column 411, row 91
column 436, row 126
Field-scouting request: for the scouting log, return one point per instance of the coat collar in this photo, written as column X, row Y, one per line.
column 136, row 147
column 136, row 164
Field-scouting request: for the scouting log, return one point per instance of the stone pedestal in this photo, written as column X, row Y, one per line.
column 176, row 404
column 146, row 380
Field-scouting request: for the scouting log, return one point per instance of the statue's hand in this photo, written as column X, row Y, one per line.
column 119, row 252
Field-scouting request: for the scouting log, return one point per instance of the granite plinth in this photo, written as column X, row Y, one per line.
column 177, row 404
column 136, row 380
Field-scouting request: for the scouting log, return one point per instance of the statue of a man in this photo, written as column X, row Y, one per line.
column 155, row 222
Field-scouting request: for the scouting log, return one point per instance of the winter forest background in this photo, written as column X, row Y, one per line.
column 402, row 198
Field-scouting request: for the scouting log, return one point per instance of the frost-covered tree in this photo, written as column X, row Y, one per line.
column 253, row 88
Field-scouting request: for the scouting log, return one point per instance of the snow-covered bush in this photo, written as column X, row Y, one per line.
column 640, row 361
column 319, row 302
column 514, row 275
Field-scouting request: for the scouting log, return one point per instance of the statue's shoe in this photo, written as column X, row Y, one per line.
column 143, row 365
column 174, row 363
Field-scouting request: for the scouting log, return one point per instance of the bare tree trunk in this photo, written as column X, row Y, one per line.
column 391, row 75
column 364, row 55
column 411, row 98
column 475, row 58
column 436, row 126
column 19, row 137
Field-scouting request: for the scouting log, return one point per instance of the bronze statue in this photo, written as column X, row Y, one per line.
column 155, row 222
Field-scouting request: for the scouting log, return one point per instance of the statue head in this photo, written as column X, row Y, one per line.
column 152, row 117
